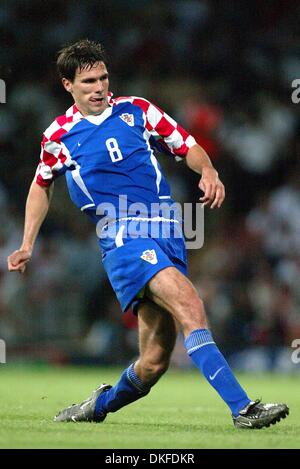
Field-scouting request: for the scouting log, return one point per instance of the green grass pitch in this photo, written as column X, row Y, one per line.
column 182, row 411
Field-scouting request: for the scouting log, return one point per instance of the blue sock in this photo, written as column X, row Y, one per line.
column 209, row 360
column 128, row 389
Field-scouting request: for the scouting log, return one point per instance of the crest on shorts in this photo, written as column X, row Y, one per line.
column 128, row 118
column 149, row 256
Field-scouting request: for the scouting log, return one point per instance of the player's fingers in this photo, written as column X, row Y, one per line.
column 216, row 200
column 205, row 202
column 213, row 192
column 18, row 268
column 219, row 197
column 208, row 193
column 202, row 186
column 11, row 263
column 17, row 260
column 14, row 267
column 22, row 269
column 222, row 195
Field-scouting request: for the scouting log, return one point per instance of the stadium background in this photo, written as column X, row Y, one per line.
column 224, row 70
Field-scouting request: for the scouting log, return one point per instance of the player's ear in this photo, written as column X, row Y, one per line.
column 67, row 84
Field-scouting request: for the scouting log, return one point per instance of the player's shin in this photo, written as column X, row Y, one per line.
column 210, row 361
column 128, row 389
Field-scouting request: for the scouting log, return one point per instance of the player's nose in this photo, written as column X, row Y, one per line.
column 99, row 86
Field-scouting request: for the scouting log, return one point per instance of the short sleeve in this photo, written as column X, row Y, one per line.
column 166, row 131
column 51, row 163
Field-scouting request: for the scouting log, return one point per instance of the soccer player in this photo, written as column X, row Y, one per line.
column 104, row 146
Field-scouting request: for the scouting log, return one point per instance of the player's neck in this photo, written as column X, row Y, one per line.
column 86, row 112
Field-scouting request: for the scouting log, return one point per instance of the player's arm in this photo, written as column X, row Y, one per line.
column 37, row 205
column 214, row 191
column 178, row 142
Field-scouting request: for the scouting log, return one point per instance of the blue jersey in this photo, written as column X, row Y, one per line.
column 111, row 154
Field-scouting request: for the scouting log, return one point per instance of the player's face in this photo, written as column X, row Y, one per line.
column 89, row 89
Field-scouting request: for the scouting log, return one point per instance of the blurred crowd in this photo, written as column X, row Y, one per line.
column 224, row 70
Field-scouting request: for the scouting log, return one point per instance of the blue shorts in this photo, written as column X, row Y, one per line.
column 134, row 251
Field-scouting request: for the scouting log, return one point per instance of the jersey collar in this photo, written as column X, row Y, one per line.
column 99, row 118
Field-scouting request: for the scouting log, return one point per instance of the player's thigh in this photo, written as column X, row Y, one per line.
column 157, row 333
column 174, row 292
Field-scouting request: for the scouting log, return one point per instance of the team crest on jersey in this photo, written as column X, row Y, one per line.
column 149, row 256
column 128, row 118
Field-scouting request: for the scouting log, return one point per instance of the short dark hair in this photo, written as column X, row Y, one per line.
column 81, row 54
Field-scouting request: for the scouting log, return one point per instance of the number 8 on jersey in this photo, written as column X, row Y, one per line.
column 113, row 149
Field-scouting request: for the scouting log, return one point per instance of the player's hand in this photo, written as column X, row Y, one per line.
column 17, row 261
column 213, row 188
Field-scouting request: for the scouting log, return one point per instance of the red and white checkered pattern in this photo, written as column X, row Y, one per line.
column 157, row 123
column 53, row 153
